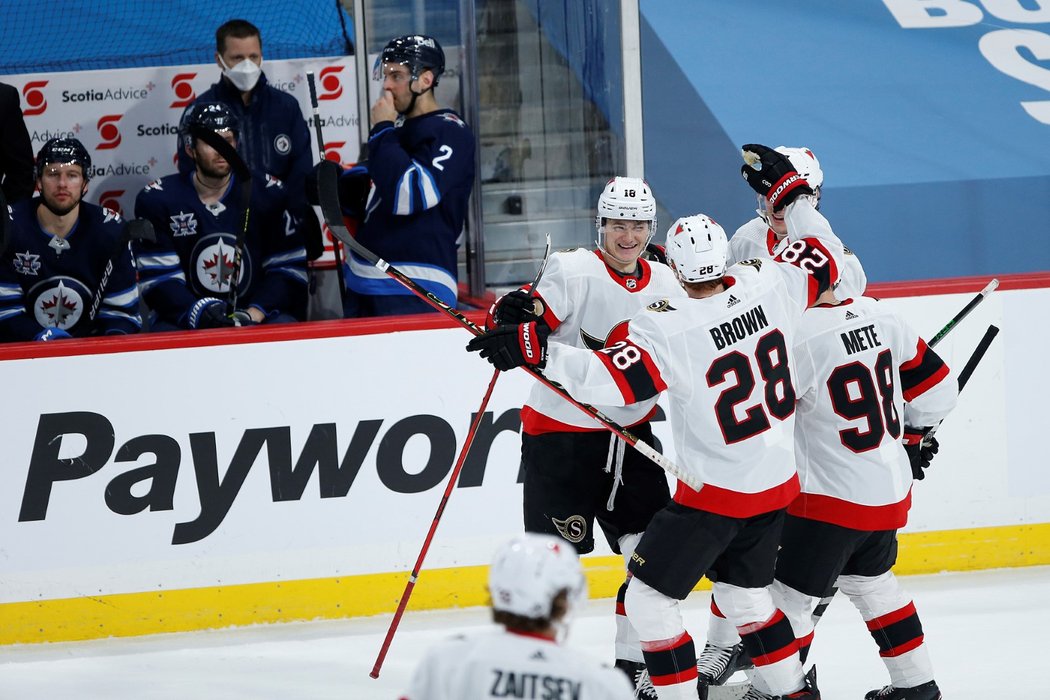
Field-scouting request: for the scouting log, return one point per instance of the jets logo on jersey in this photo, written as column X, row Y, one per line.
column 450, row 117
column 58, row 302
column 213, row 262
column 282, row 144
column 183, row 224
column 573, row 528
column 27, row 263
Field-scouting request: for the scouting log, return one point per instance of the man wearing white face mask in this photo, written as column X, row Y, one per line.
column 274, row 138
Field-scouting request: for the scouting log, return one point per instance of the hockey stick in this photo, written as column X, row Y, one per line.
column 134, row 230
column 328, row 196
column 444, row 499
column 336, row 250
column 970, row 306
column 967, row 370
column 5, row 223
column 244, row 178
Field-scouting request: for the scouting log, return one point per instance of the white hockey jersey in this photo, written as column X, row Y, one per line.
column 756, row 240
column 585, row 301
column 503, row 664
column 862, row 374
column 725, row 363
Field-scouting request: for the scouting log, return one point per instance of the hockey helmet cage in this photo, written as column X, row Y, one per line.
column 417, row 51
column 63, row 150
column 529, row 572
column 697, row 248
column 625, row 198
column 807, row 165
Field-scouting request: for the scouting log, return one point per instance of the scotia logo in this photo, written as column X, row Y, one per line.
column 111, row 200
column 33, row 94
column 331, row 85
column 183, row 89
column 107, row 129
column 331, row 151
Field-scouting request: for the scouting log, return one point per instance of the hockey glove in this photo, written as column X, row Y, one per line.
column 507, row 347
column 514, row 308
column 52, row 334
column 771, row 174
column 655, row 253
column 208, row 312
column 920, row 454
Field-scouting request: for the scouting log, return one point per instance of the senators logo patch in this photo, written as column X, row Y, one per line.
column 573, row 528
column 753, row 262
column 662, row 305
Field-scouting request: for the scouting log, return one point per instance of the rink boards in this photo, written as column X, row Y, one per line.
column 223, row 478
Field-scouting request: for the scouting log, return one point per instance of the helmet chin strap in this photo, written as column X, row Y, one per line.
column 415, row 96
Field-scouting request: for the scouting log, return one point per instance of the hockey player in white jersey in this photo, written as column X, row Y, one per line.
column 722, row 354
column 868, row 389
column 574, row 472
column 536, row 583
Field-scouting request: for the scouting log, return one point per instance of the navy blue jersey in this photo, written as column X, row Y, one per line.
column 194, row 254
column 273, row 137
column 52, row 282
column 422, row 174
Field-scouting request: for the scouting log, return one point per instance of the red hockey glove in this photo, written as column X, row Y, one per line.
column 507, row 347
column 771, row 174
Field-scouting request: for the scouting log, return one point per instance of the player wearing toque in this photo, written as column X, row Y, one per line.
column 536, row 584
column 198, row 217
column 722, row 354
column 574, row 473
column 57, row 257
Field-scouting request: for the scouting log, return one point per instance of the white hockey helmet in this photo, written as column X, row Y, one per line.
column 697, row 248
column 806, row 164
column 529, row 572
column 625, row 198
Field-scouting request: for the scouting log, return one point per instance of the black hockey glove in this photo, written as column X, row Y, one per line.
column 771, row 174
column 655, row 253
column 507, row 347
column 920, row 454
column 208, row 312
column 513, row 308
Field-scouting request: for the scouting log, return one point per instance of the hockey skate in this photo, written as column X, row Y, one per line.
column 808, row 692
column 644, row 690
column 716, row 664
column 926, row 691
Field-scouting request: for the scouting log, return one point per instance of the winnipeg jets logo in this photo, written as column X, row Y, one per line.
column 183, row 224
column 60, row 307
column 215, row 265
column 282, row 144
column 27, row 263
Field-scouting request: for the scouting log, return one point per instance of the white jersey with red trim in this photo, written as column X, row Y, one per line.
column 862, row 374
column 584, row 302
column 501, row 664
column 753, row 240
column 725, row 363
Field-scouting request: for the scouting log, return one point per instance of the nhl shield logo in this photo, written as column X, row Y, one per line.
column 573, row 528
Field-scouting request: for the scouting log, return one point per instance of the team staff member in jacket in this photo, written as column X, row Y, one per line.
column 421, row 165
column 57, row 256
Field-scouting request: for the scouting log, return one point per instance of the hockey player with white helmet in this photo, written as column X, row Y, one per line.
column 574, row 473
column 536, row 584
column 722, row 355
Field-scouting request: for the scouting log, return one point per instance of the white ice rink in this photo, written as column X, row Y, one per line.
column 987, row 633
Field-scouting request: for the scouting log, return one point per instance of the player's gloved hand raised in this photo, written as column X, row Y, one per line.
column 513, row 308
column 920, row 453
column 52, row 334
column 507, row 347
column 208, row 312
column 771, row 174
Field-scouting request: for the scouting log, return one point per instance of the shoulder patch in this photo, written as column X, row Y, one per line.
column 753, row 262
column 662, row 305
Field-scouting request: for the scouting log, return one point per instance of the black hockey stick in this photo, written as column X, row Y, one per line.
column 336, row 250
column 134, row 230
column 967, row 371
column 403, row 603
column 244, row 182
column 328, row 196
column 5, row 223
column 970, row 306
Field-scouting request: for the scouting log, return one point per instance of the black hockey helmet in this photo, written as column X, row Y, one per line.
column 63, row 151
column 417, row 51
column 214, row 116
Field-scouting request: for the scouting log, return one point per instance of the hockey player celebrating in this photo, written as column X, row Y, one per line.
column 536, row 583
column 574, row 473
column 54, row 269
column 868, row 389
column 199, row 218
column 722, row 355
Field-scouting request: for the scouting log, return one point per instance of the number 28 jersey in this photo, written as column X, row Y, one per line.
column 862, row 374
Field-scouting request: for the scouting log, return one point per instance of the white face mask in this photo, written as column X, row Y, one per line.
column 244, row 75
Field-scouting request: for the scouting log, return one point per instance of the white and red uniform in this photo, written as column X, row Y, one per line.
column 861, row 375
column 505, row 664
column 584, row 301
